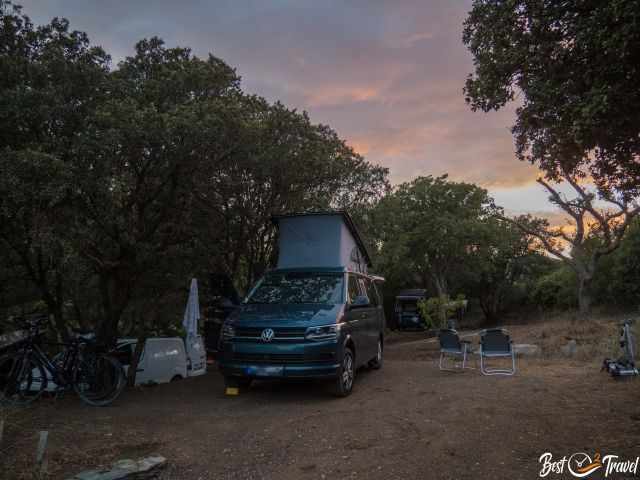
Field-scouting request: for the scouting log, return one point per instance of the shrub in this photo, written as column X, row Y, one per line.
column 436, row 310
column 555, row 290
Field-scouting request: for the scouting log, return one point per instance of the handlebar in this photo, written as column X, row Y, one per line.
column 34, row 321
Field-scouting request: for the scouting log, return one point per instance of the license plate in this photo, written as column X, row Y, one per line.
column 268, row 371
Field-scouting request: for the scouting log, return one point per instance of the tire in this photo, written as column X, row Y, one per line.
column 99, row 380
column 378, row 360
column 22, row 379
column 346, row 374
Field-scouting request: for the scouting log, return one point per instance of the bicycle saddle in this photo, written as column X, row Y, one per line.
column 82, row 334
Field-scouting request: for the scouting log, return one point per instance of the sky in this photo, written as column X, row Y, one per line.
column 387, row 75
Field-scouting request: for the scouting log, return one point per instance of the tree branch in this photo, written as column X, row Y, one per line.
column 543, row 237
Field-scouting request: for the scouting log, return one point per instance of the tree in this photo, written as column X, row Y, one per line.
column 50, row 81
column 135, row 163
column 593, row 231
column 501, row 257
column 120, row 184
column 427, row 229
column 284, row 164
column 33, row 201
column 617, row 281
column 575, row 66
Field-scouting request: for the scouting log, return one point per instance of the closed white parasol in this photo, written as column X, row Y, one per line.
column 192, row 312
column 195, row 346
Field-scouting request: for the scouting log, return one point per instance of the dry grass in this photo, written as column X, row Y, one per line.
column 596, row 336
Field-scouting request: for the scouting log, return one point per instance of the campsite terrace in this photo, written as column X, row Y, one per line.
column 408, row 420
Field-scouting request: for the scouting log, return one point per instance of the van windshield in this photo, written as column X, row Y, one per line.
column 298, row 287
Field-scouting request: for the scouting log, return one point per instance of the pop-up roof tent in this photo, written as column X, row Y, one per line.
column 323, row 239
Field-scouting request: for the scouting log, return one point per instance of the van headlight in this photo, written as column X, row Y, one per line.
column 324, row 332
column 228, row 332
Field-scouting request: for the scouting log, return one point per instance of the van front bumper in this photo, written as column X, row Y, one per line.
column 308, row 360
column 262, row 370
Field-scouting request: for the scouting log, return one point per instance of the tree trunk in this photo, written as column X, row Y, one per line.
column 61, row 326
column 106, row 334
column 440, row 282
column 135, row 360
column 114, row 293
column 55, row 310
column 490, row 305
column 584, row 299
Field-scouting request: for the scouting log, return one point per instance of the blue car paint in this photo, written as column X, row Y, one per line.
column 311, row 358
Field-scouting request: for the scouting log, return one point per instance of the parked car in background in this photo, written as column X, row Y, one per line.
column 407, row 313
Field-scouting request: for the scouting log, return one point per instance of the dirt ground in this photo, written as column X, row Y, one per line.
column 407, row 420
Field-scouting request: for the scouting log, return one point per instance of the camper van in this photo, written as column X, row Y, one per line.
column 318, row 314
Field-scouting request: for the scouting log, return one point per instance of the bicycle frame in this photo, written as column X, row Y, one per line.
column 62, row 377
column 625, row 366
column 627, row 342
column 82, row 366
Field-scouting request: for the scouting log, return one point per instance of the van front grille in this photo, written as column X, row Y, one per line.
column 281, row 334
column 285, row 358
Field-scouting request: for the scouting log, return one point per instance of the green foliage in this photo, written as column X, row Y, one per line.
column 574, row 67
column 499, row 259
column 617, row 281
column 437, row 310
column 425, row 229
column 555, row 290
column 439, row 234
column 120, row 184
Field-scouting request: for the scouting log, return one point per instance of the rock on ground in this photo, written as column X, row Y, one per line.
column 143, row 468
column 526, row 349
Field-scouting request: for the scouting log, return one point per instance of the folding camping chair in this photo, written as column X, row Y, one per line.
column 495, row 343
column 452, row 346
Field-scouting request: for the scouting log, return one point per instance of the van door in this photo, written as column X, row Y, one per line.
column 357, row 319
column 370, row 317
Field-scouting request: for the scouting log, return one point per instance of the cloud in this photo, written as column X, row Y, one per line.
column 417, row 37
column 387, row 75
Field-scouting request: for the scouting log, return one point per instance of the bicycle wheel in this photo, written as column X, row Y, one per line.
column 99, row 379
column 22, row 379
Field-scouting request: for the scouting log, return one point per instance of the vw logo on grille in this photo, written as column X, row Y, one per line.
column 267, row 335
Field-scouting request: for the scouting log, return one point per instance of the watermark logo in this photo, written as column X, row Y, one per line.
column 581, row 465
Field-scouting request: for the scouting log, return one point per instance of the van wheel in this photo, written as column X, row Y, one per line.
column 376, row 362
column 176, row 378
column 346, row 374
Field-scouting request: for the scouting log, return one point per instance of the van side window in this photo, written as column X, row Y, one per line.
column 371, row 292
column 352, row 288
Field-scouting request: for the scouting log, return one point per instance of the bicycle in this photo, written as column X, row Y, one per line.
column 96, row 377
column 625, row 366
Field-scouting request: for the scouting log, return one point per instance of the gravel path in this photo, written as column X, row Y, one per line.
column 408, row 420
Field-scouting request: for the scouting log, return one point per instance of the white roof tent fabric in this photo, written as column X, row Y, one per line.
column 321, row 240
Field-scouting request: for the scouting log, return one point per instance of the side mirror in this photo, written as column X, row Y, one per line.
column 360, row 301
